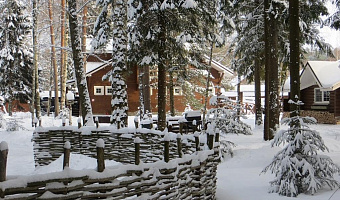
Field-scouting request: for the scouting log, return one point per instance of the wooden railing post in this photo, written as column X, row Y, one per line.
column 197, row 141
column 137, row 150
column 79, row 122
column 40, row 123
column 179, row 145
column 100, row 155
column 166, row 147
column 67, row 151
column 3, row 160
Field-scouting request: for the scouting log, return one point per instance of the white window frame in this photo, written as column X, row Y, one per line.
column 323, row 101
column 180, row 93
column 107, row 88
column 98, row 93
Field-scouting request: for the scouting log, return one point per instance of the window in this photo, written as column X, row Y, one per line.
column 108, row 90
column 177, row 91
column 321, row 96
column 98, row 90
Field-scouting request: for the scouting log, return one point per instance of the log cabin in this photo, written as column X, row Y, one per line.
column 320, row 91
column 100, row 91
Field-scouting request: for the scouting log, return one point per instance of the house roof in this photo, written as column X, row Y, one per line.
column 220, row 67
column 326, row 74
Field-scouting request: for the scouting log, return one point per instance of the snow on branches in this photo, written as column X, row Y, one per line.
column 298, row 168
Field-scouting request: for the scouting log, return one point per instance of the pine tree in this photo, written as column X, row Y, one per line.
column 15, row 55
column 298, row 168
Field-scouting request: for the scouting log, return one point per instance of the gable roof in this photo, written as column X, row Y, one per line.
column 326, row 74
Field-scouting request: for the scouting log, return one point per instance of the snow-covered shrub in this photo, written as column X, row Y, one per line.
column 227, row 121
column 298, row 168
column 14, row 124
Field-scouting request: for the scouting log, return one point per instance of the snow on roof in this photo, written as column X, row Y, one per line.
column 220, row 67
column 247, row 90
column 326, row 73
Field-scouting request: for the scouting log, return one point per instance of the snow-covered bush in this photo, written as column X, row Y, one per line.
column 14, row 124
column 298, row 168
column 227, row 121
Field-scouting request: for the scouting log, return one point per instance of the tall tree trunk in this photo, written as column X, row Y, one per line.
column 53, row 58
column 162, row 56
column 271, row 67
column 146, row 88
column 119, row 103
column 63, row 66
column 35, row 56
column 172, row 99
column 294, row 64
column 258, row 109
column 84, row 34
column 207, row 87
column 78, row 66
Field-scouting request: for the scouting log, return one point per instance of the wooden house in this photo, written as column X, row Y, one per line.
column 320, row 91
column 100, row 91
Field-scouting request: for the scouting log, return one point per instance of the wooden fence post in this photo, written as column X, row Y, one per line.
column 179, row 145
column 63, row 121
column 136, row 122
column 137, row 150
column 100, row 155
column 3, row 160
column 217, row 135
column 181, row 126
column 197, row 141
column 166, row 147
column 211, row 140
column 194, row 125
column 35, row 121
column 96, row 120
column 79, row 122
column 67, row 151
column 40, row 123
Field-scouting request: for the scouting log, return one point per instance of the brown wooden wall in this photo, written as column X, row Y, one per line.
column 101, row 104
column 307, row 97
column 337, row 102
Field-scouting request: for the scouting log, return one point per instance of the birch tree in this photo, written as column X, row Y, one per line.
column 84, row 98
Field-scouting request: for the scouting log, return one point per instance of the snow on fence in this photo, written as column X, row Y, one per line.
column 190, row 176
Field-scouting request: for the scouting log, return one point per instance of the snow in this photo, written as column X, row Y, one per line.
column 3, row 146
column 238, row 177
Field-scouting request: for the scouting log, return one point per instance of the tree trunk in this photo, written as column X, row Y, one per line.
column 35, row 55
column 172, row 99
column 78, row 66
column 271, row 67
column 146, row 88
column 162, row 56
column 294, row 65
column 53, row 58
column 207, row 87
column 84, row 34
column 258, row 108
column 63, row 66
column 119, row 103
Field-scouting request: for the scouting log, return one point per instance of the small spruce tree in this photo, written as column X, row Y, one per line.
column 298, row 168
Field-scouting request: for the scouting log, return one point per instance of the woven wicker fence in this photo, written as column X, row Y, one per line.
column 189, row 176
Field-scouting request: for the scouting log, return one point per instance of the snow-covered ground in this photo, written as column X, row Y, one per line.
column 239, row 177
